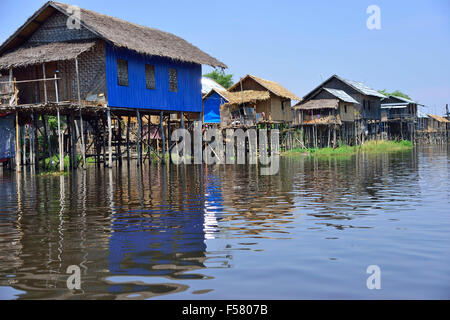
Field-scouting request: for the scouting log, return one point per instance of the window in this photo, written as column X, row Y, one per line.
column 122, row 72
column 345, row 109
column 173, row 80
column 150, row 77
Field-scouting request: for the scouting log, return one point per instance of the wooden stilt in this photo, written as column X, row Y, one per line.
column 119, row 141
column 108, row 114
column 139, row 137
column 73, row 142
column 168, row 138
column 128, row 138
column 35, row 142
column 82, row 145
column 60, row 142
column 48, row 143
column 149, row 151
column 182, row 126
column 163, row 140
column 17, row 153
column 24, row 146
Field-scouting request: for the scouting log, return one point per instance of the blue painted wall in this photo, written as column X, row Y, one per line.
column 136, row 95
column 212, row 108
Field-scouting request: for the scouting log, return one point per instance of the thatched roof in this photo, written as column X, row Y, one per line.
column 437, row 118
column 272, row 86
column 55, row 51
column 245, row 96
column 120, row 33
column 318, row 104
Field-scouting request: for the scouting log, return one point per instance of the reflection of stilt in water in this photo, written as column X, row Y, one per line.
column 140, row 187
column 62, row 202
column 83, row 223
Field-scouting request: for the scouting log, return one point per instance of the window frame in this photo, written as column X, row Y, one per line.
column 146, row 77
column 170, row 80
column 119, row 78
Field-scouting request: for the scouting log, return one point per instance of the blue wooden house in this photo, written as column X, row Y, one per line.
column 120, row 64
column 115, row 67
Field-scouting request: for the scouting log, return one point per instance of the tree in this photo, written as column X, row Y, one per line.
column 219, row 76
column 396, row 93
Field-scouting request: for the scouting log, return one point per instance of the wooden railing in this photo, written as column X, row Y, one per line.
column 11, row 96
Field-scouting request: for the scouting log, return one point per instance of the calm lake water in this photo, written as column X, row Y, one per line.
column 226, row 232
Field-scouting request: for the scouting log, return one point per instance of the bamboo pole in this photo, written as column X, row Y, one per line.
column 45, row 82
column 163, row 143
column 60, row 138
column 128, row 138
column 17, row 153
column 82, row 147
column 184, row 143
column 139, row 137
column 119, row 142
column 149, row 140
column 108, row 114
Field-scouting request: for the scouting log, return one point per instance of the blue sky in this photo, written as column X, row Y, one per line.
column 299, row 43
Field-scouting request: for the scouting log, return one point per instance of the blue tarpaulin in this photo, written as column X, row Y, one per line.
column 7, row 136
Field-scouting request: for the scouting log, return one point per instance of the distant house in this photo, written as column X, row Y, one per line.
column 212, row 102
column 437, row 124
column 256, row 100
column 120, row 64
column 366, row 110
column 398, row 115
column 325, row 114
column 213, row 98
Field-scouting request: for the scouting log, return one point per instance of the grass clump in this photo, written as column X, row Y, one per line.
column 369, row 146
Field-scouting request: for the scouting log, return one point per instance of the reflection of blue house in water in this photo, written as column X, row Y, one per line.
column 165, row 241
column 7, row 136
column 213, row 205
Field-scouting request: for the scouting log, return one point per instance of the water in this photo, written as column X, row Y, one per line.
column 226, row 232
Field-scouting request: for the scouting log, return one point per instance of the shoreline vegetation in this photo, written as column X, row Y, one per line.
column 344, row 150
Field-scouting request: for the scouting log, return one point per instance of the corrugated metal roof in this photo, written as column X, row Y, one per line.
column 363, row 88
column 403, row 99
column 341, row 95
column 208, row 84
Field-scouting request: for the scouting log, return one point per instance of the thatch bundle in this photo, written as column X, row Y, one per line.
column 55, row 51
column 271, row 86
column 245, row 96
column 331, row 119
column 437, row 118
column 318, row 104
